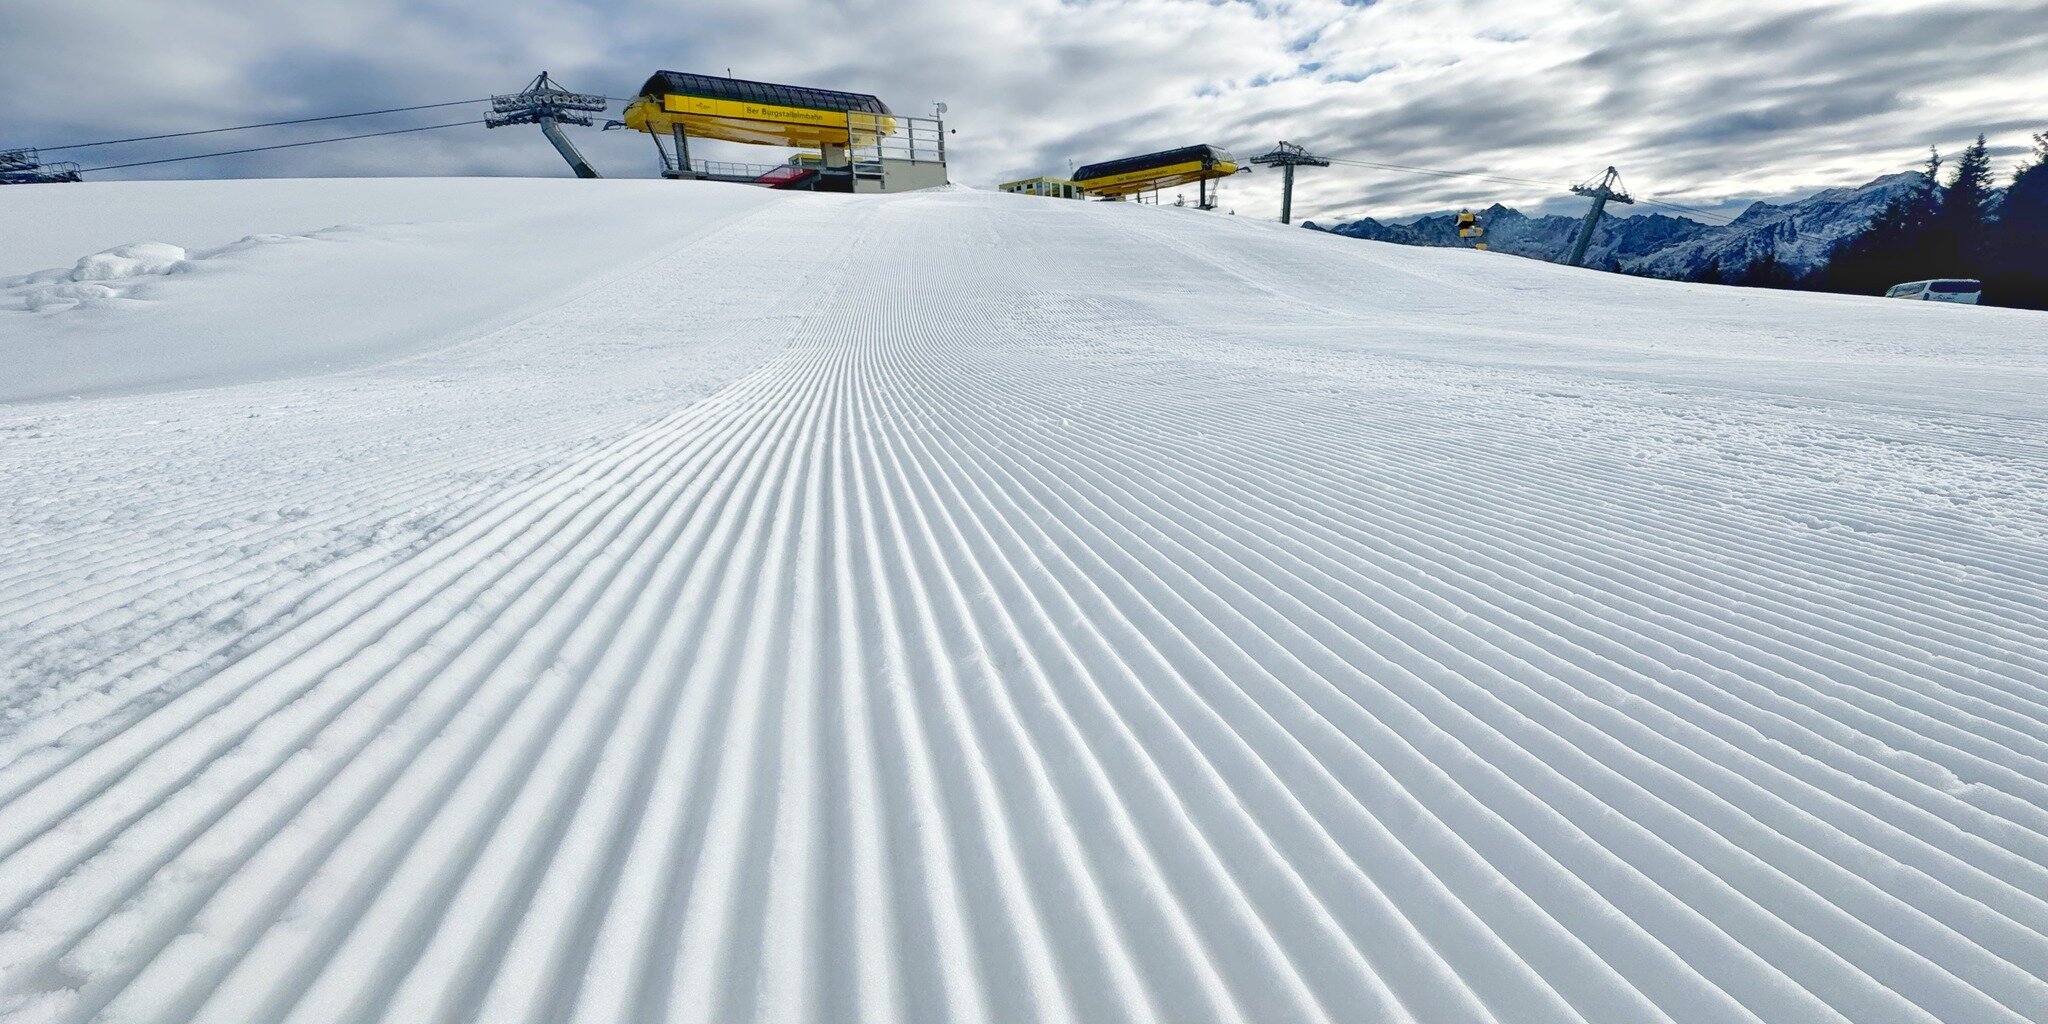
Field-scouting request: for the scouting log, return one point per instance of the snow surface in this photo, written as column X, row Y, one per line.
column 618, row 601
column 246, row 280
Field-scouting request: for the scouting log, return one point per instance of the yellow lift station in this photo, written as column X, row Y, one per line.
column 1138, row 175
column 862, row 146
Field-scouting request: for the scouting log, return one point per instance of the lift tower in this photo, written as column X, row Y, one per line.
column 1608, row 190
column 547, row 104
column 1287, row 156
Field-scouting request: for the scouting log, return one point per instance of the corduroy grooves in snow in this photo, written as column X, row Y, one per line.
column 637, row 601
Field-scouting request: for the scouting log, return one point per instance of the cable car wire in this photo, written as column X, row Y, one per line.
column 1441, row 173
column 281, row 145
column 1404, row 168
column 1529, row 182
column 266, row 124
column 1695, row 211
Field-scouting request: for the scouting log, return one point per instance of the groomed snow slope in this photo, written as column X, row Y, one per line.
column 958, row 607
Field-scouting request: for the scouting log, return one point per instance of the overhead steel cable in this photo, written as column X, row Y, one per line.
column 1695, row 211
column 1442, row 173
column 265, row 124
column 1529, row 182
column 282, row 145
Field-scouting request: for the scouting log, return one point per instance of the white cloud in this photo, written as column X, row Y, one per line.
column 1702, row 102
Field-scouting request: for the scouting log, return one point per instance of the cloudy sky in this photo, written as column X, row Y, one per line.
column 1708, row 103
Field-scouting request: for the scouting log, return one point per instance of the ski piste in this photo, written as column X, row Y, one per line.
column 628, row 600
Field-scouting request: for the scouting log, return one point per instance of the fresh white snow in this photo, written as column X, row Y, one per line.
column 247, row 280
column 458, row 600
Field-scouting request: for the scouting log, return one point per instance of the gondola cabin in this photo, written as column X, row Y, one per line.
column 1136, row 175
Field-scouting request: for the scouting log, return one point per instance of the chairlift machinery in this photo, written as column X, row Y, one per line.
column 27, row 167
column 1139, row 176
column 1287, row 156
column 860, row 144
column 546, row 103
column 1607, row 188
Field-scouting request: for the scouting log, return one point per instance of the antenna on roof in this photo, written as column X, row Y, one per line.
column 546, row 103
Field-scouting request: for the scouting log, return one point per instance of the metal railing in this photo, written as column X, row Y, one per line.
column 874, row 138
column 731, row 169
column 27, row 167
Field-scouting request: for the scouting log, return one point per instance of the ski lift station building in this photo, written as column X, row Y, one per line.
column 862, row 145
column 1057, row 188
column 1138, row 175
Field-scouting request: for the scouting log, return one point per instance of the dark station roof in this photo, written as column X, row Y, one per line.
column 683, row 83
column 1165, row 158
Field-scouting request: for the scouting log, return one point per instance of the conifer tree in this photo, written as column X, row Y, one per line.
column 1894, row 247
column 2018, row 251
column 1960, row 229
column 1767, row 271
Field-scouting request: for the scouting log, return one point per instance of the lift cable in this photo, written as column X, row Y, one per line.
column 1440, row 173
column 1530, row 182
column 282, row 145
column 1433, row 171
column 1695, row 211
column 266, row 124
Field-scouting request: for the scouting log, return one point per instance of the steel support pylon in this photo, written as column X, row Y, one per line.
column 1287, row 156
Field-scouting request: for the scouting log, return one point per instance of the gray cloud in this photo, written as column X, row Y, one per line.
column 1712, row 102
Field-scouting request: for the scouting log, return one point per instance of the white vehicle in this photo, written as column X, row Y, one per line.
column 1944, row 290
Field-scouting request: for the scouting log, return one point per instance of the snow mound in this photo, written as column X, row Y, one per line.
column 125, row 271
column 135, row 259
column 281, row 278
column 101, row 277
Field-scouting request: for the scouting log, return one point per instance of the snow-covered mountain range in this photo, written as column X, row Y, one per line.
column 1658, row 245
